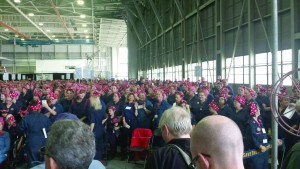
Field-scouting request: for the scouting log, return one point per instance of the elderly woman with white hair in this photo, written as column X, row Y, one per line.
column 175, row 126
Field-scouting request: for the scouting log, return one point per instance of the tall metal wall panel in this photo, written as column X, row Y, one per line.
column 168, row 46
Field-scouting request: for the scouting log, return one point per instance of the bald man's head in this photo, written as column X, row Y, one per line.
column 219, row 138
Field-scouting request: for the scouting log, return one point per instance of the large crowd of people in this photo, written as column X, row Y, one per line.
column 114, row 108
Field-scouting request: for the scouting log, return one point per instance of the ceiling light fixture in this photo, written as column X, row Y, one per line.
column 82, row 16
column 30, row 14
column 17, row 1
column 6, row 30
column 87, row 37
column 80, row 2
column 85, row 31
column 41, row 24
column 56, row 39
column 84, row 25
column 53, row 36
column 22, row 39
column 47, row 30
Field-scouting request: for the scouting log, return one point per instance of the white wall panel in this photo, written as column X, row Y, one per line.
column 58, row 66
column 7, row 48
column 74, row 48
column 34, row 49
column 48, row 48
column 20, row 48
column 86, row 48
column 61, row 48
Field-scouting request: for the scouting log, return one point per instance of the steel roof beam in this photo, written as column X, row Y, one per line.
column 26, row 17
column 14, row 30
column 61, row 20
column 134, row 28
column 156, row 14
column 141, row 17
column 179, row 8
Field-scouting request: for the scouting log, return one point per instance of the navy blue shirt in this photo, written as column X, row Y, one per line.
column 79, row 109
column 97, row 116
column 130, row 118
column 200, row 110
column 144, row 119
column 58, row 109
column 158, row 111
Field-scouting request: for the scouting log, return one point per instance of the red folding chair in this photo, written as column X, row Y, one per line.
column 139, row 144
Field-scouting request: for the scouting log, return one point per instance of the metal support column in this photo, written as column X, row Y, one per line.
column 274, row 79
column 251, row 46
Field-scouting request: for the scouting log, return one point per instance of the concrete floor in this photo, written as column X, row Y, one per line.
column 118, row 164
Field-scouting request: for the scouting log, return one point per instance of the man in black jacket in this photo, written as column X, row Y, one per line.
column 175, row 126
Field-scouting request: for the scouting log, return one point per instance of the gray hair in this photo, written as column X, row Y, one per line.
column 178, row 121
column 71, row 144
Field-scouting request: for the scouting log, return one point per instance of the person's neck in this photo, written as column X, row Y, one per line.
column 79, row 99
column 255, row 118
column 192, row 96
column 238, row 109
column 177, row 137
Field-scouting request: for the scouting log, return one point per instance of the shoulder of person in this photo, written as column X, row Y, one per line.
column 96, row 165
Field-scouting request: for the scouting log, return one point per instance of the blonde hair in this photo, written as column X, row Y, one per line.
column 95, row 103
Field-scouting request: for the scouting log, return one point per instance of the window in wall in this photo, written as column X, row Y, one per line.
column 284, row 60
column 149, row 74
column 228, row 70
column 209, row 70
column 261, row 68
column 239, row 71
column 178, row 73
column 191, row 72
column 123, row 64
column 170, row 73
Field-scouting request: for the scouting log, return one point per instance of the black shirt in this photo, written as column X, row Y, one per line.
column 168, row 157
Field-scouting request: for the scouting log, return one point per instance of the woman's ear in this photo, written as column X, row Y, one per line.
column 203, row 161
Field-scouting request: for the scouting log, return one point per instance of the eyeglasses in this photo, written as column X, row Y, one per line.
column 193, row 163
column 195, row 159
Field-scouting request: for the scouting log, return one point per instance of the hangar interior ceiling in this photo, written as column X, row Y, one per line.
column 68, row 21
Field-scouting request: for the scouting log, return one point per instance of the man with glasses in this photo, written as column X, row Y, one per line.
column 70, row 144
column 175, row 126
column 216, row 142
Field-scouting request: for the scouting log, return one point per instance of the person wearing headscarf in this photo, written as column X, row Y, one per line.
column 117, row 103
column 11, row 107
column 67, row 100
column 129, row 121
column 145, row 108
column 53, row 108
column 257, row 138
column 224, row 110
column 241, row 116
column 200, row 109
column 4, row 142
column 35, row 125
column 97, row 117
column 112, row 131
column 80, row 105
